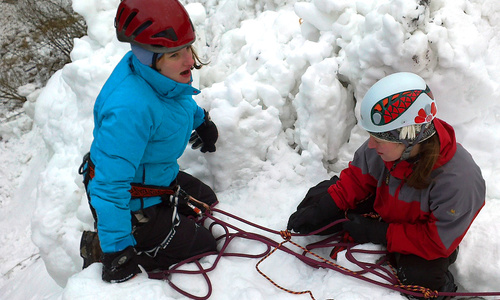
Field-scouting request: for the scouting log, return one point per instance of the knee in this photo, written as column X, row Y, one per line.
column 208, row 239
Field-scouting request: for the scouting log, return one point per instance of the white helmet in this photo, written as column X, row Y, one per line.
column 395, row 101
column 399, row 108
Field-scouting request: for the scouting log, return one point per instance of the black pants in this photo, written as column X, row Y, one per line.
column 190, row 238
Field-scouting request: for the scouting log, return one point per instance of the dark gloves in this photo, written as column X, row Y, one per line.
column 315, row 216
column 366, row 230
column 120, row 266
column 205, row 135
column 316, row 210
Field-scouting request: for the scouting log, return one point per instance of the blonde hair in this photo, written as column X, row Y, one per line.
column 409, row 132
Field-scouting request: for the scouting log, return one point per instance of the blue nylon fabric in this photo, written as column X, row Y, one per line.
column 143, row 121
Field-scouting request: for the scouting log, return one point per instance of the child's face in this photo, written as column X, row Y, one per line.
column 177, row 65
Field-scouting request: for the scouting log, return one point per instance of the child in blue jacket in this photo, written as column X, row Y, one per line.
column 144, row 118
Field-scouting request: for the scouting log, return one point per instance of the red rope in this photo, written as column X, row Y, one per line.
column 313, row 260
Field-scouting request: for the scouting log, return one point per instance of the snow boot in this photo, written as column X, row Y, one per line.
column 448, row 287
column 90, row 249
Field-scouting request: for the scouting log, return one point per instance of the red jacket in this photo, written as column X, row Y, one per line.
column 429, row 222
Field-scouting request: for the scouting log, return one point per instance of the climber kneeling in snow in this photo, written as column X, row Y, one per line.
column 144, row 117
column 424, row 188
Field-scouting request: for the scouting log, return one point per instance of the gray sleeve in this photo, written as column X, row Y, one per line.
column 457, row 195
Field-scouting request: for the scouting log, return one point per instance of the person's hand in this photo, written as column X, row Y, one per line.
column 316, row 210
column 319, row 212
column 366, row 230
column 120, row 266
column 205, row 135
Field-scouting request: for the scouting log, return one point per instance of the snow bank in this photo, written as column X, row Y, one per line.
column 282, row 87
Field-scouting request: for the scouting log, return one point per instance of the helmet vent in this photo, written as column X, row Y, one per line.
column 118, row 17
column 168, row 33
column 141, row 28
column 128, row 20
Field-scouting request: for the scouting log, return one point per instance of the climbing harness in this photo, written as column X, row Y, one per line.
column 175, row 195
column 381, row 269
column 137, row 190
column 174, row 199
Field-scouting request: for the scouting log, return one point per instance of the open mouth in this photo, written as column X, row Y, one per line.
column 185, row 73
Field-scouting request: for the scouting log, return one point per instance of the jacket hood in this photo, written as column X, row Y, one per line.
column 447, row 140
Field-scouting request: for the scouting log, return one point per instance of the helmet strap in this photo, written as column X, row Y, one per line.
column 406, row 152
column 155, row 58
column 410, row 144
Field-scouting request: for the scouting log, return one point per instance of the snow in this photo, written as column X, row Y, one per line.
column 283, row 85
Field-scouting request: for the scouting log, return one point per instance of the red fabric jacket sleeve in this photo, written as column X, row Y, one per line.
column 355, row 184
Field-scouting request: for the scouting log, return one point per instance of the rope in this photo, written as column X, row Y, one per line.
column 313, row 260
column 286, row 235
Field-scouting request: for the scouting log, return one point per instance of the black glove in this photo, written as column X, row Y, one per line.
column 366, row 230
column 316, row 210
column 120, row 266
column 316, row 192
column 205, row 135
column 319, row 212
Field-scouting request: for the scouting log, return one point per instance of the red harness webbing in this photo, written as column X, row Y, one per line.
column 138, row 190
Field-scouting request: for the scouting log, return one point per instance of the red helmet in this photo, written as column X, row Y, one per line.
column 160, row 26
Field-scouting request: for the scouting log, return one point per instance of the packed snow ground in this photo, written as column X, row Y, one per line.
column 283, row 85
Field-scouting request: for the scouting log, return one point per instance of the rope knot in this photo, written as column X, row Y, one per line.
column 286, row 235
column 428, row 293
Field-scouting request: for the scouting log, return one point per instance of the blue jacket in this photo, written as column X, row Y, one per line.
column 143, row 121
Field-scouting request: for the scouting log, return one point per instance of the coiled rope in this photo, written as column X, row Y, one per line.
column 382, row 268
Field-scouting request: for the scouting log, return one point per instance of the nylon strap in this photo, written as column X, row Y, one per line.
column 137, row 190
